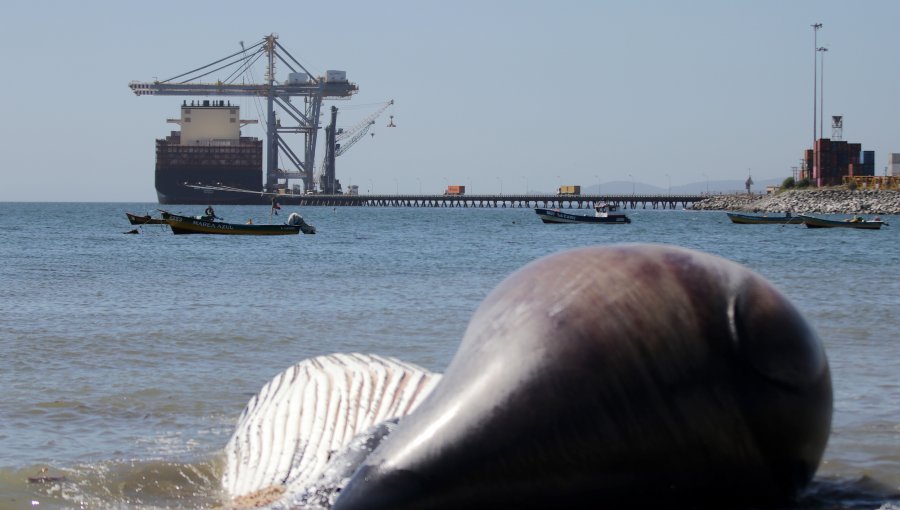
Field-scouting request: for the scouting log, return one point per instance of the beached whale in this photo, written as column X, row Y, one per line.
column 616, row 376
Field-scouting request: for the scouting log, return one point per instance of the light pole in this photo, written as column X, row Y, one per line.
column 558, row 184
column 707, row 183
column 371, row 187
column 445, row 184
column 669, row 177
column 396, row 186
column 632, row 183
column 420, row 185
column 815, row 28
column 526, row 184
column 598, row 183
column 821, row 50
column 501, row 184
column 817, row 153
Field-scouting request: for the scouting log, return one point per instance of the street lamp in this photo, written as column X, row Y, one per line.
column 501, row 184
column 822, row 50
column 817, row 156
column 815, row 28
column 707, row 183
column 669, row 177
column 420, row 185
column 526, row 184
column 598, row 184
column 632, row 183
column 397, row 186
column 371, row 187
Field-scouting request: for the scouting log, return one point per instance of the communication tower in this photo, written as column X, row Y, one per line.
column 837, row 127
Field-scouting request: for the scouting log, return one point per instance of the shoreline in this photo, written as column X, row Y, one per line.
column 823, row 201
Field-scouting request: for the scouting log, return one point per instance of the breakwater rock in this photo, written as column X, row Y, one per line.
column 825, row 201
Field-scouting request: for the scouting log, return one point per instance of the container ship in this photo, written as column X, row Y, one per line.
column 209, row 151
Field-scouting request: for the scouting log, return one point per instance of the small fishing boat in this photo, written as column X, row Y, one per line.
column 602, row 214
column 854, row 222
column 754, row 219
column 209, row 225
column 136, row 219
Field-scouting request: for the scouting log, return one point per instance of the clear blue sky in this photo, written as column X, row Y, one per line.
column 488, row 94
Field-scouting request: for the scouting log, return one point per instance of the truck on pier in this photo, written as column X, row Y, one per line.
column 569, row 189
column 455, row 190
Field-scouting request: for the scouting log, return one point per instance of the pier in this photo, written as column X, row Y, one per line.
column 496, row 201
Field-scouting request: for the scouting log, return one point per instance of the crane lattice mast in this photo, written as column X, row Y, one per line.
column 301, row 83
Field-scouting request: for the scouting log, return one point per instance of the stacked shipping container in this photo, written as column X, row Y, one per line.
column 834, row 159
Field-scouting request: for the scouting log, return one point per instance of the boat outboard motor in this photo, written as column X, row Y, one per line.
column 295, row 219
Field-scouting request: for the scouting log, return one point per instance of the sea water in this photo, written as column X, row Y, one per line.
column 125, row 359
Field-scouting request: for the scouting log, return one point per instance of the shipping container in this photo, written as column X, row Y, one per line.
column 455, row 190
column 570, row 189
column 893, row 164
column 297, row 79
column 335, row 76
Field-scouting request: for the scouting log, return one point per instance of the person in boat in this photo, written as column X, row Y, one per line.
column 210, row 212
column 601, row 210
column 275, row 206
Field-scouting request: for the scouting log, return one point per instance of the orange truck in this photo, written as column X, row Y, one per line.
column 455, row 190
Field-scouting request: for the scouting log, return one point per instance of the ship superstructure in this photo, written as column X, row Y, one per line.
column 209, row 151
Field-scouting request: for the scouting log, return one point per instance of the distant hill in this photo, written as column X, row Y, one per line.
column 730, row 186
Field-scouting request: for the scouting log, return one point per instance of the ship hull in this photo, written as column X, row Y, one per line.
column 180, row 168
column 172, row 187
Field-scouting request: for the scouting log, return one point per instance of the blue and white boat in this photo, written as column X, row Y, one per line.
column 603, row 213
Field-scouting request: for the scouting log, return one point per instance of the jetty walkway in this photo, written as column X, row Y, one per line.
column 497, row 201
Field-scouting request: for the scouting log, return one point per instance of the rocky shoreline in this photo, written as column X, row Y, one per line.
column 824, row 201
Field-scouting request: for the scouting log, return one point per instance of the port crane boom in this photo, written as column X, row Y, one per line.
column 300, row 83
column 365, row 123
column 328, row 182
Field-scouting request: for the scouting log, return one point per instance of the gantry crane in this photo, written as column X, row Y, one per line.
column 328, row 183
column 300, row 82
